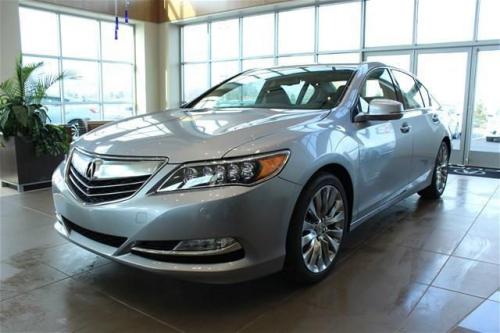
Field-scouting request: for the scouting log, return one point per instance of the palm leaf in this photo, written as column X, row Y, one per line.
column 4, row 116
column 22, row 112
column 36, row 88
column 10, row 89
column 24, row 72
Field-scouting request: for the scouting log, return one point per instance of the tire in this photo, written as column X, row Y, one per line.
column 310, row 262
column 439, row 176
column 78, row 128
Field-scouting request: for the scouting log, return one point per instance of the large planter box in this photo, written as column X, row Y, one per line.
column 21, row 169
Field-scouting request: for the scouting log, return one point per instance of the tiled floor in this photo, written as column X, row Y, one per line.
column 419, row 267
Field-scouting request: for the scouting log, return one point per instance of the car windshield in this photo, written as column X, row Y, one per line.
column 306, row 87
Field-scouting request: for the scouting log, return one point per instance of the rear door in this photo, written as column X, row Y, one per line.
column 385, row 147
column 423, row 125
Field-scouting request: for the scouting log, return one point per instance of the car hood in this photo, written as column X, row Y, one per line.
column 184, row 135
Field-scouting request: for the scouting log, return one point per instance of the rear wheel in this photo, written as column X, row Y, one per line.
column 317, row 229
column 440, row 175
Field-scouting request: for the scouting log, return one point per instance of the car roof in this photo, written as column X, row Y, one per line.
column 368, row 64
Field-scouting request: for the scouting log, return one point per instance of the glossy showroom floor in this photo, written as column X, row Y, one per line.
column 418, row 267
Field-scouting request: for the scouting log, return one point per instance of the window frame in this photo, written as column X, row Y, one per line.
column 428, row 103
column 412, row 48
column 403, row 99
column 100, row 102
column 357, row 106
column 196, row 100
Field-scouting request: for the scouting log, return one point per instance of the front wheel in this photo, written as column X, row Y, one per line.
column 317, row 229
column 78, row 128
column 440, row 175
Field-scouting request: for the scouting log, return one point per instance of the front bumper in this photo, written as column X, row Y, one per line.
column 257, row 217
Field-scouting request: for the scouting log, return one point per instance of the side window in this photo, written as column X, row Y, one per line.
column 240, row 93
column 378, row 84
column 308, row 94
column 293, row 90
column 425, row 94
column 434, row 102
column 409, row 90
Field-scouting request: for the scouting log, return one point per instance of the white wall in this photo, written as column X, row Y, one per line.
column 158, row 66
column 10, row 37
column 169, row 65
column 147, row 75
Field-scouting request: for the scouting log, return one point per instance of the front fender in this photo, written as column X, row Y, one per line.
column 312, row 148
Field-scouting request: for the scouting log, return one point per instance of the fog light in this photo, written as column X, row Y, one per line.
column 210, row 244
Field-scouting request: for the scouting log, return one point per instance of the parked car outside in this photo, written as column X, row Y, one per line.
column 78, row 115
column 493, row 127
column 454, row 121
column 268, row 171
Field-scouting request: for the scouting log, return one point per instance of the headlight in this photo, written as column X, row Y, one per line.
column 241, row 171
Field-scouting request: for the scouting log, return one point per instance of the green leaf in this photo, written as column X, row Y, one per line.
column 22, row 114
column 4, row 117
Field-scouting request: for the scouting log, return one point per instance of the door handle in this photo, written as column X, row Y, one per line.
column 405, row 128
column 435, row 118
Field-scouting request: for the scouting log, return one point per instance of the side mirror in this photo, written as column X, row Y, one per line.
column 381, row 109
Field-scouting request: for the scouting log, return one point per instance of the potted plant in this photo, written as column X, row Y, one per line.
column 30, row 147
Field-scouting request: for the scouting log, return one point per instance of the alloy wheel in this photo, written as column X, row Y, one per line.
column 323, row 228
column 75, row 131
column 442, row 168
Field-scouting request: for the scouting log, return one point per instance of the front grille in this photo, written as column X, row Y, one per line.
column 110, row 240
column 98, row 191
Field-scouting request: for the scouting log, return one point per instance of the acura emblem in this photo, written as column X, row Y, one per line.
column 92, row 168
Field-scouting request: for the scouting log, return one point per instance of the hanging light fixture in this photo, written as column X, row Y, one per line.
column 116, row 19
column 127, row 3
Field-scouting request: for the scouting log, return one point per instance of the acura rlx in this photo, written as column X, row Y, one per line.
column 267, row 171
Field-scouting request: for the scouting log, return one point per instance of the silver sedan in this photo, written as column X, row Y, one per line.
column 267, row 171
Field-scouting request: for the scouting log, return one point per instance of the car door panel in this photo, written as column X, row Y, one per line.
column 385, row 147
column 385, row 156
column 423, row 125
column 425, row 145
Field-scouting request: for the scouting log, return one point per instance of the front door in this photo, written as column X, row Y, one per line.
column 385, row 147
column 425, row 126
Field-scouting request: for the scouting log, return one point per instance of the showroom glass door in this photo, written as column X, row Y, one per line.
column 399, row 59
column 483, row 134
column 446, row 74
